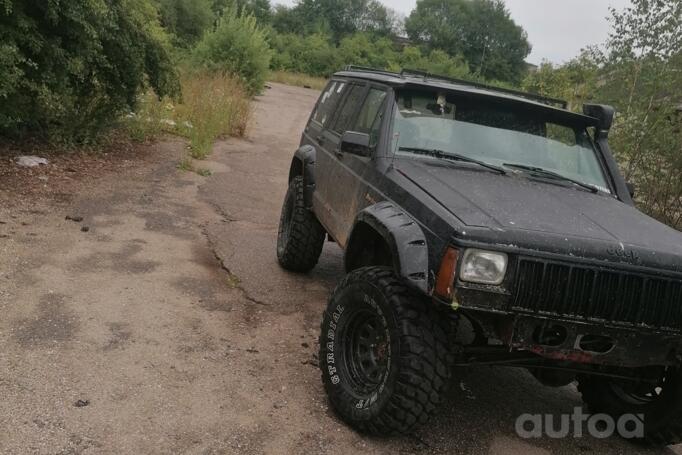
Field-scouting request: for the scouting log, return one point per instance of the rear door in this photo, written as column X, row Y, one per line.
column 359, row 112
column 342, row 182
column 317, row 134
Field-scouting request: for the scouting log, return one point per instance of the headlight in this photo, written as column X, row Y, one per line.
column 485, row 267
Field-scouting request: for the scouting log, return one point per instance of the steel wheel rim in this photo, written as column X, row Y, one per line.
column 366, row 351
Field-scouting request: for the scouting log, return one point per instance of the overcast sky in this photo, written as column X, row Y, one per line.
column 557, row 29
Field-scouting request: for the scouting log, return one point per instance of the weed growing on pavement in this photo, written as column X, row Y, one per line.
column 233, row 281
column 186, row 164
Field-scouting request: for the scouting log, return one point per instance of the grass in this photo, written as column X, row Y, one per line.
column 150, row 118
column 186, row 164
column 233, row 281
column 213, row 105
column 298, row 79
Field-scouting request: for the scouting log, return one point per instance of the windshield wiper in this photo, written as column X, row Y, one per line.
column 440, row 154
column 552, row 174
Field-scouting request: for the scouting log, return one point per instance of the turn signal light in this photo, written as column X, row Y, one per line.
column 445, row 280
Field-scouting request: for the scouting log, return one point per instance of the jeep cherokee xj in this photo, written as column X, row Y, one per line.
column 497, row 214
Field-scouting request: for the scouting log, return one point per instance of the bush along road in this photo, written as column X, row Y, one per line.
column 168, row 327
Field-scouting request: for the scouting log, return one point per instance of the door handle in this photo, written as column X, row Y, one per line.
column 320, row 139
column 338, row 153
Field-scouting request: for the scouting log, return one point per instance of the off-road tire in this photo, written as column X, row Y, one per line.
column 662, row 416
column 300, row 237
column 415, row 348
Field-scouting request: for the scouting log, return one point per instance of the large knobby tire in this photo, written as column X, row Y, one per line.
column 384, row 353
column 660, row 404
column 301, row 236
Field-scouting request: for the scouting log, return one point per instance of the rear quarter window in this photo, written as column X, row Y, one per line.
column 330, row 97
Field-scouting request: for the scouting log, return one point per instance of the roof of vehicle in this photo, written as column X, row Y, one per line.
column 554, row 107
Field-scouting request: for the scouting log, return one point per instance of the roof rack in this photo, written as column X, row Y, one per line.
column 367, row 69
column 425, row 75
column 531, row 96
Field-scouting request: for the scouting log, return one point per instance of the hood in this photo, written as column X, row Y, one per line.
column 516, row 211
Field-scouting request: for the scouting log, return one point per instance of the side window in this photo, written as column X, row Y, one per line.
column 344, row 120
column 328, row 101
column 369, row 119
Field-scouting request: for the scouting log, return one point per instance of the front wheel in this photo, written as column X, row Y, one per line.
column 384, row 353
column 656, row 404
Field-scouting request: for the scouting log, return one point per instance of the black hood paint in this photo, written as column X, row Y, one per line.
column 517, row 212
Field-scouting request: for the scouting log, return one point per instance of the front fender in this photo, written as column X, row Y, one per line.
column 405, row 239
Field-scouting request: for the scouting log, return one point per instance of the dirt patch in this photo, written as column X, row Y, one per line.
column 120, row 335
column 207, row 292
column 52, row 323
column 67, row 170
column 126, row 259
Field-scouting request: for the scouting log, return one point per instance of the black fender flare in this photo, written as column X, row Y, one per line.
column 405, row 239
column 303, row 164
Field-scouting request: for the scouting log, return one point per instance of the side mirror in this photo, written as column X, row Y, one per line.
column 355, row 143
column 631, row 189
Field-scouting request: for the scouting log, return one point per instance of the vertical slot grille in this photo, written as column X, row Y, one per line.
column 595, row 294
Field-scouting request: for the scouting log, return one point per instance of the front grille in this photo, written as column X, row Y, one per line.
column 593, row 293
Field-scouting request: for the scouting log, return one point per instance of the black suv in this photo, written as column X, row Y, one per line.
column 480, row 226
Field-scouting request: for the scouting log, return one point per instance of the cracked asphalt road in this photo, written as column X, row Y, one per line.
column 169, row 328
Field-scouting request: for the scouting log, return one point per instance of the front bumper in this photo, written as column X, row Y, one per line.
column 564, row 338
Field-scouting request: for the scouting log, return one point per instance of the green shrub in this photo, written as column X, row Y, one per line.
column 69, row 69
column 314, row 54
column 237, row 46
column 362, row 49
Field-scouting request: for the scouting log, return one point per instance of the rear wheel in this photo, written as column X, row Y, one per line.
column 657, row 402
column 383, row 353
column 300, row 237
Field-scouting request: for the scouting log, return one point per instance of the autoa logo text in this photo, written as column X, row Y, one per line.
column 577, row 424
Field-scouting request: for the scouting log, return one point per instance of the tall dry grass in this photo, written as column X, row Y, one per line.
column 213, row 105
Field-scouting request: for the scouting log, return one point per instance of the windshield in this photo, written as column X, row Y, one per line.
column 495, row 133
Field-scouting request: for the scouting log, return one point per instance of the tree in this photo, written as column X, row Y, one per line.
column 482, row 31
column 575, row 81
column 340, row 18
column 642, row 65
column 69, row 69
column 312, row 54
column 237, row 46
column 186, row 20
column 260, row 9
column 639, row 72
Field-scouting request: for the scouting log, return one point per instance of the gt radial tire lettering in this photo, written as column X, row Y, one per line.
column 372, row 317
column 330, row 345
